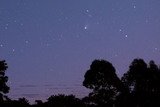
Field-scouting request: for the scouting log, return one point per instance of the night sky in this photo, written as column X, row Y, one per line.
column 50, row 44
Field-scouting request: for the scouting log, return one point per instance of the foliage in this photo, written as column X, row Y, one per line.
column 144, row 83
column 62, row 100
column 138, row 87
column 102, row 79
column 3, row 79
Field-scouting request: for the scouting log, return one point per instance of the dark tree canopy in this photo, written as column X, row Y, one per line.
column 3, row 79
column 102, row 78
column 62, row 100
column 101, row 75
column 142, row 78
column 138, row 87
column 134, row 78
column 144, row 83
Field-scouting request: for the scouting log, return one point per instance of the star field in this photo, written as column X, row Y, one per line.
column 49, row 44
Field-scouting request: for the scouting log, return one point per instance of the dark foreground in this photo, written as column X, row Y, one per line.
column 138, row 87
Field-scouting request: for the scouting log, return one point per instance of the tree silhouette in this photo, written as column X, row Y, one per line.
column 102, row 79
column 62, row 100
column 144, row 83
column 139, row 87
column 39, row 103
column 3, row 80
column 21, row 102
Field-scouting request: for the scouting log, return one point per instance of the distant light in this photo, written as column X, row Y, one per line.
column 126, row 36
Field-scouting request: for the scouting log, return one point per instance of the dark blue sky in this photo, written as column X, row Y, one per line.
column 49, row 44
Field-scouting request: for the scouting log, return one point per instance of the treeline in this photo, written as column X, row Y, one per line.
column 138, row 87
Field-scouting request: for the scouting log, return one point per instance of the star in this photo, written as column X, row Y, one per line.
column 77, row 36
column 120, row 30
column 146, row 20
column 87, row 11
column 155, row 49
column 13, row 50
column 115, row 55
column 26, row 41
column 98, row 23
column 47, row 35
column 85, row 27
column 1, row 45
column 134, row 6
column 5, row 27
column 47, row 44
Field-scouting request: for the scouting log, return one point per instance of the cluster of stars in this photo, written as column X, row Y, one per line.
column 6, row 26
column 59, row 35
